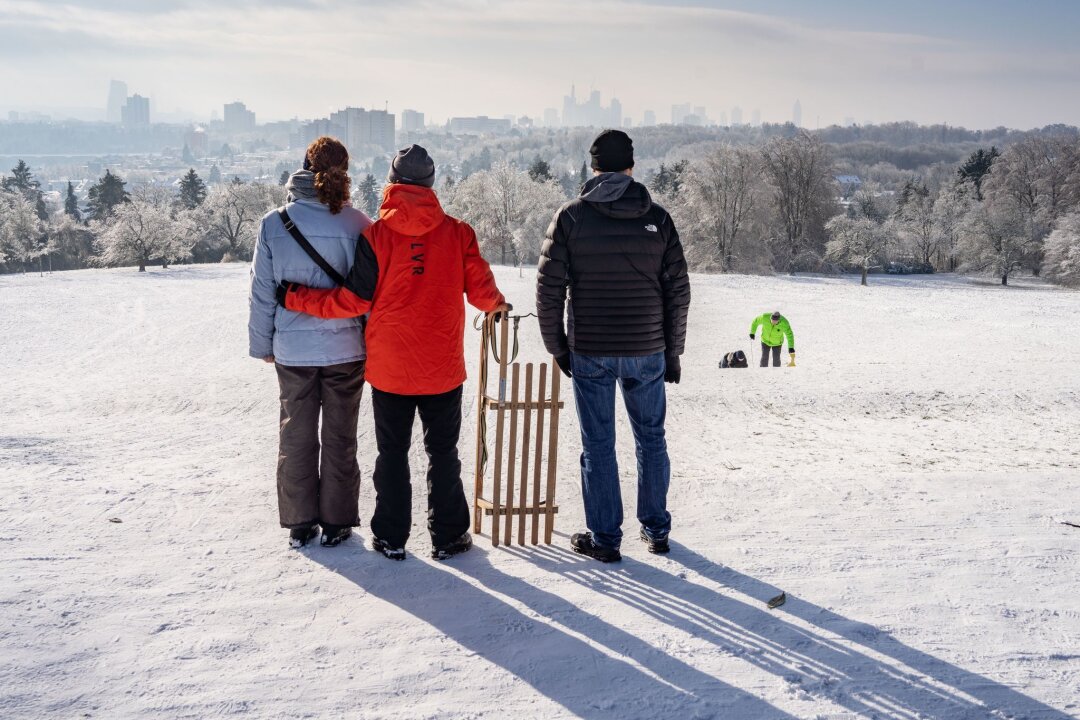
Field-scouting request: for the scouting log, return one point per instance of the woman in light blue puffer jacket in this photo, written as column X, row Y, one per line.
column 320, row 363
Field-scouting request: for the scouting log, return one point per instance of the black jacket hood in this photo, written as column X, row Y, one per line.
column 617, row 195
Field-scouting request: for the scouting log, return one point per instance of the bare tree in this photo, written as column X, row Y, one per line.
column 916, row 223
column 231, row 214
column 995, row 239
column 1062, row 261
column 800, row 171
column 146, row 228
column 721, row 193
column 950, row 211
column 508, row 210
column 858, row 241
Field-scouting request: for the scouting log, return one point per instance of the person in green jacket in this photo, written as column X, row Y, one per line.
column 774, row 328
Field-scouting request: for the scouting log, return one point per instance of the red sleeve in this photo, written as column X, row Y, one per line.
column 480, row 286
column 339, row 302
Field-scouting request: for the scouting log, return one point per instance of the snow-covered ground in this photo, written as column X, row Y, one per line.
column 905, row 484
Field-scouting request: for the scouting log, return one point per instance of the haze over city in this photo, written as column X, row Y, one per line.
column 977, row 64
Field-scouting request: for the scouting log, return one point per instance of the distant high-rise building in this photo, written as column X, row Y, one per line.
column 649, row 118
column 238, row 119
column 722, row 120
column 136, row 112
column 796, row 114
column 628, row 122
column 736, row 116
column 590, row 113
column 117, row 100
column 699, row 110
column 679, row 113
column 551, row 117
column 412, row 121
column 364, row 131
column 755, row 118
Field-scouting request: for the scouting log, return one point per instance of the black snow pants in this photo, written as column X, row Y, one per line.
column 448, row 511
column 765, row 355
column 319, row 484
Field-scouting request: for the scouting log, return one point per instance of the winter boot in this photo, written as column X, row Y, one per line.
column 454, row 547
column 583, row 544
column 298, row 537
column 657, row 546
column 332, row 535
column 388, row 550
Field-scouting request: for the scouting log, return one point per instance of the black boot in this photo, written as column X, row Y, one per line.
column 454, row 547
column 388, row 550
column 298, row 537
column 657, row 546
column 583, row 544
column 332, row 535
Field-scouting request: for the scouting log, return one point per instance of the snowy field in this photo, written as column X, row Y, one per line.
column 907, row 485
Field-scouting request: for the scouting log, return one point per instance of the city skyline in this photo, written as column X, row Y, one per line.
column 998, row 66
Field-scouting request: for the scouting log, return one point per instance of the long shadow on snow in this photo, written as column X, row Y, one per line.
column 917, row 685
column 583, row 677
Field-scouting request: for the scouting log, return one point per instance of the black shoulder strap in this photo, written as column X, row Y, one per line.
column 312, row 252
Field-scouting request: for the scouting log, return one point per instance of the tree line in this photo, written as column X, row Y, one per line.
column 783, row 205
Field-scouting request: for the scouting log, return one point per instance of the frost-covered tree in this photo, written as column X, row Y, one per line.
column 540, row 171
column 994, row 239
column 508, row 210
column 71, row 203
column 22, row 235
column 105, row 195
column 70, row 243
column 720, row 196
column 800, row 171
column 950, row 212
column 916, row 222
column 367, row 192
column 192, row 190
column 230, row 216
column 147, row 227
column 1062, row 251
column 857, row 241
column 975, row 169
column 22, row 179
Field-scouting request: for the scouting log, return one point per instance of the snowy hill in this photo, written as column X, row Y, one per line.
column 905, row 484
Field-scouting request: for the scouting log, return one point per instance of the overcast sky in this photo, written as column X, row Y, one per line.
column 977, row 63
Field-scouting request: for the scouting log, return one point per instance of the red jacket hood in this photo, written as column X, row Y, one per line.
column 410, row 209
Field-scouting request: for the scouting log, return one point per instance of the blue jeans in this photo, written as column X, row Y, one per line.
column 642, row 383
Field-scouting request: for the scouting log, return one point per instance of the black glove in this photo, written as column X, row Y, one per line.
column 673, row 369
column 282, row 290
column 564, row 364
column 751, row 336
column 791, row 350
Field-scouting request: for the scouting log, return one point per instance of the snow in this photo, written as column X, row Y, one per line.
column 907, row 485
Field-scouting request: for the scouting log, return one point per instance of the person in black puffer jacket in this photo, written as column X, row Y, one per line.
column 613, row 262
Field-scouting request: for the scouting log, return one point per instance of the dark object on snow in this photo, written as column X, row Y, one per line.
column 115, row 520
column 452, row 548
column 388, row 550
column 333, row 535
column 1070, row 524
column 299, row 537
column 657, row 546
column 777, row 601
column 735, row 359
column 583, row 545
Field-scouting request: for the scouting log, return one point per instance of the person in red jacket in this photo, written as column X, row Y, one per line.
column 411, row 269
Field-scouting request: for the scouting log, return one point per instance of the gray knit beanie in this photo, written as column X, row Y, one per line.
column 412, row 166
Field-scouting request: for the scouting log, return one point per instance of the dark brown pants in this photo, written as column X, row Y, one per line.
column 310, row 490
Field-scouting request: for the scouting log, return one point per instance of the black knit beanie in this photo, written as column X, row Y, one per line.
column 612, row 151
column 412, row 166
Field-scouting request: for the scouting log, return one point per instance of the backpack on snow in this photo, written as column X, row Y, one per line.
column 735, row 359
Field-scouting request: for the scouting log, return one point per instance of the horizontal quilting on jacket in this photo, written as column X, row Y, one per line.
column 612, row 258
column 294, row 338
